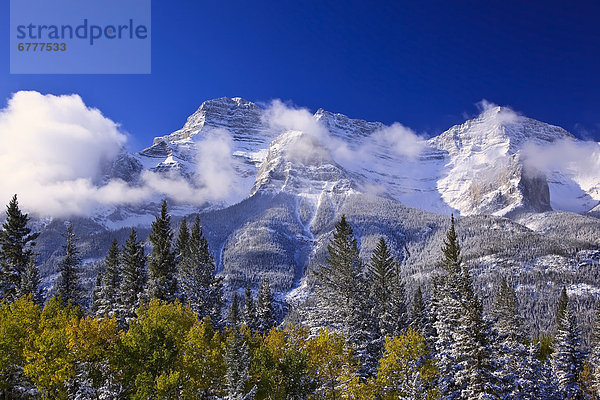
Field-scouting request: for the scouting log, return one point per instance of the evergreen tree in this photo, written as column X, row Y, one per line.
column 68, row 287
column 265, row 314
column 108, row 298
column 201, row 288
column 387, row 291
column 162, row 279
column 594, row 358
column 16, row 241
column 567, row 359
column 133, row 280
column 420, row 318
column 249, row 312
column 237, row 359
column 343, row 296
column 512, row 353
column 30, row 282
column 96, row 292
column 462, row 348
column 233, row 313
column 561, row 307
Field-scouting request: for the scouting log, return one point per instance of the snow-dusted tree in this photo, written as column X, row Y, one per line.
column 237, row 359
column 233, row 312
column 30, row 282
column 420, row 317
column 561, row 306
column 67, row 286
column 387, row 291
column 96, row 292
column 249, row 311
column 16, row 242
column 343, row 296
column 594, row 358
column 133, row 278
column 265, row 314
column 162, row 271
column 567, row 359
column 201, row 288
column 108, row 297
column 512, row 352
column 462, row 348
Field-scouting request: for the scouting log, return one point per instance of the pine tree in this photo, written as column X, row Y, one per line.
column 387, row 291
column 265, row 314
column 96, row 292
column 512, row 353
column 162, row 279
column 237, row 359
column 249, row 312
column 30, row 282
column 233, row 313
column 567, row 359
column 343, row 296
column 108, row 298
column 16, row 241
column 68, row 287
column 133, row 280
column 201, row 288
column 561, row 307
column 420, row 318
column 462, row 348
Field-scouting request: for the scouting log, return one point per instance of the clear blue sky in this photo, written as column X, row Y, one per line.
column 422, row 65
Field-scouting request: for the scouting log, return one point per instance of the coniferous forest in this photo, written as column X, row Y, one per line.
column 161, row 325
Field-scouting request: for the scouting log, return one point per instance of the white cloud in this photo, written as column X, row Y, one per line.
column 53, row 149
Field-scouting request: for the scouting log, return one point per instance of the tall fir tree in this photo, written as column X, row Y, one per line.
column 233, row 312
column 512, row 353
column 108, row 297
column 567, row 359
column 96, row 292
column 237, row 360
column 594, row 357
column 162, row 271
column 561, row 306
column 343, row 297
column 16, row 242
column 201, row 288
column 249, row 311
column 463, row 352
column 30, row 282
column 133, row 279
column 387, row 291
column 265, row 313
column 420, row 318
column 68, row 287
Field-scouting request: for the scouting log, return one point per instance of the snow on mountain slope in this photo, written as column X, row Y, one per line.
column 496, row 163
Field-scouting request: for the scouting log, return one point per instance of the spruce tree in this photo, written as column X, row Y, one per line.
column 233, row 313
column 237, row 359
column 387, row 291
column 594, row 358
column 265, row 314
column 201, row 288
column 420, row 318
column 249, row 312
column 108, row 298
column 96, row 292
column 567, row 359
column 512, row 357
column 162, row 271
column 133, row 280
column 68, row 287
column 16, row 242
column 30, row 282
column 561, row 307
column 463, row 351
column 343, row 296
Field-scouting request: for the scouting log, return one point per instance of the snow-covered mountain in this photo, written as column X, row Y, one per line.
column 513, row 181
column 487, row 165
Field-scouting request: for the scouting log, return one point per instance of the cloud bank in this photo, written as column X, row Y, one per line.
column 53, row 150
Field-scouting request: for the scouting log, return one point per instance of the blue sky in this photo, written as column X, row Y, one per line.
column 422, row 65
